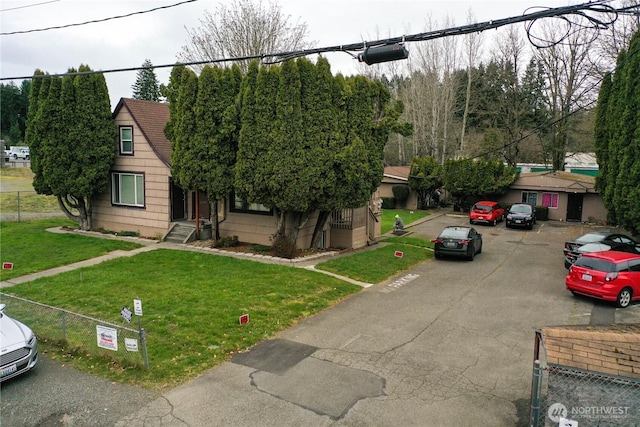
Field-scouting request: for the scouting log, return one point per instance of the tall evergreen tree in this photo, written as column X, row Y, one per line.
column 146, row 86
column 424, row 178
column 72, row 138
column 618, row 140
column 217, row 133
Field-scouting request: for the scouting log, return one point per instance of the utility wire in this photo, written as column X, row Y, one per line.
column 29, row 5
column 597, row 6
column 97, row 20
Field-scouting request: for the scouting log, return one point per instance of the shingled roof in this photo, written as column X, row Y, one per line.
column 150, row 117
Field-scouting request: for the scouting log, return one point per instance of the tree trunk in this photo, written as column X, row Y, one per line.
column 213, row 217
column 83, row 218
column 323, row 216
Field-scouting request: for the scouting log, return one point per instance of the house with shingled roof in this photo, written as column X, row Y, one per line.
column 569, row 196
column 143, row 198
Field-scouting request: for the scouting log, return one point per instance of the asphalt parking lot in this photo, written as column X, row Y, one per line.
column 448, row 343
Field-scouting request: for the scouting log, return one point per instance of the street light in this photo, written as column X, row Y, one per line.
column 384, row 53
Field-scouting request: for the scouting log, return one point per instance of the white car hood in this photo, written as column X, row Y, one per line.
column 13, row 334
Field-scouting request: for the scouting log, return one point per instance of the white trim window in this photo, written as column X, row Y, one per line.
column 126, row 140
column 530, row 197
column 127, row 189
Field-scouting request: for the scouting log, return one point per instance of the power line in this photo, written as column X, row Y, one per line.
column 597, row 6
column 29, row 5
column 97, row 20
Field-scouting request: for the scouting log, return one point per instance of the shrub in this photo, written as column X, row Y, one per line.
column 226, row 242
column 388, row 203
column 284, row 246
column 260, row 248
column 401, row 194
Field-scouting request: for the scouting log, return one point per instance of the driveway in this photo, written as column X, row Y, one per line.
column 448, row 343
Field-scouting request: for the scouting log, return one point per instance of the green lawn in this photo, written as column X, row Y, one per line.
column 192, row 304
column 377, row 265
column 389, row 218
column 31, row 248
column 192, row 301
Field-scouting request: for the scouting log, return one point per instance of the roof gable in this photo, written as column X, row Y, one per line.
column 397, row 172
column 150, row 117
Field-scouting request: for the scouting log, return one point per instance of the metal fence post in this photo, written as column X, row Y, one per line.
column 64, row 326
column 535, row 394
column 143, row 341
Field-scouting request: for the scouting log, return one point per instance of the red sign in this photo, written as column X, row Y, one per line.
column 244, row 319
column 7, row 266
column 399, row 254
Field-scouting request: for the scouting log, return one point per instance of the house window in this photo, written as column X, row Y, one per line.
column 241, row 205
column 530, row 197
column 127, row 189
column 550, row 200
column 126, row 140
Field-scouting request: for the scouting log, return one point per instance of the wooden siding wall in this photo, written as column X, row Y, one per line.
column 386, row 190
column 154, row 218
column 258, row 229
column 592, row 205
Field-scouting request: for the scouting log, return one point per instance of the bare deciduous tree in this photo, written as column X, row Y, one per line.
column 615, row 38
column 571, row 81
column 472, row 52
column 243, row 29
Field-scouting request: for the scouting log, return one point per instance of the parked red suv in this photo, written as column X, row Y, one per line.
column 610, row 276
column 486, row 212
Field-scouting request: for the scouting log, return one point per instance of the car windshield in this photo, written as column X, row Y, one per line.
column 521, row 209
column 591, row 237
column 454, row 233
column 595, row 264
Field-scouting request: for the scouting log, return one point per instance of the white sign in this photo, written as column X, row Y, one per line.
column 131, row 344
column 107, row 337
column 126, row 314
column 137, row 307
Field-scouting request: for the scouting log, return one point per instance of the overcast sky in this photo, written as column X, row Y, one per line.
column 159, row 35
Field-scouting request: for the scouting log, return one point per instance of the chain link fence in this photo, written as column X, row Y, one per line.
column 567, row 396
column 77, row 332
column 25, row 205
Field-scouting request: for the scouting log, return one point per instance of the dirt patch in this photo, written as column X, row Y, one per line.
column 254, row 249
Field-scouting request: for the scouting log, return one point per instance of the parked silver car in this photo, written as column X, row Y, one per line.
column 18, row 347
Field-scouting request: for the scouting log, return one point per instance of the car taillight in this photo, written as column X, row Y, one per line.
column 611, row 276
column 464, row 242
column 436, row 241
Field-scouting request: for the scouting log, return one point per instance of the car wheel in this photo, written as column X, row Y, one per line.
column 531, row 226
column 480, row 249
column 624, row 298
column 437, row 255
column 472, row 254
column 471, row 221
column 567, row 264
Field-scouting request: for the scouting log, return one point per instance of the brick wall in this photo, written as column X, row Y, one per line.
column 612, row 350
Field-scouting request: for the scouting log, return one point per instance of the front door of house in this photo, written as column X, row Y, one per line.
column 574, row 207
column 178, row 202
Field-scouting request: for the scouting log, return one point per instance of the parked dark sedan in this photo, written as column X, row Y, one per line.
column 612, row 241
column 458, row 241
column 521, row 215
